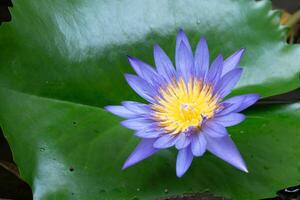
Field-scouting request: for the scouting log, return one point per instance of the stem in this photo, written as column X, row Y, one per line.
column 293, row 19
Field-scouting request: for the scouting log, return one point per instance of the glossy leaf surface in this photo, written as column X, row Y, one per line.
column 61, row 61
column 76, row 51
column 65, row 149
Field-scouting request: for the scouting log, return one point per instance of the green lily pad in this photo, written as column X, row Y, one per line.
column 61, row 61
column 76, row 51
column 72, row 151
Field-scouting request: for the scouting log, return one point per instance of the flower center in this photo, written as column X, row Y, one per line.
column 182, row 106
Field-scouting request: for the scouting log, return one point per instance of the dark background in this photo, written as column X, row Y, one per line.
column 12, row 187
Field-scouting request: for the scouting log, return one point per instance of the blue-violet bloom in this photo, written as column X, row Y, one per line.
column 186, row 107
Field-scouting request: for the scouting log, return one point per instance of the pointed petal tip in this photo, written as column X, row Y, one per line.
column 129, row 57
column 203, row 39
column 240, row 164
column 133, row 61
column 179, row 174
column 243, row 168
column 240, row 53
column 239, row 71
column 141, row 152
column 250, row 100
column 183, row 161
column 157, row 49
column 220, row 56
column 128, row 163
column 129, row 77
column 180, row 30
column 181, row 34
column 125, row 166
column 202, row 45
column 111, row 109
column 107, row 108
column 242, row 50
column 122, row 123
column 256, row 96
column 156, row 46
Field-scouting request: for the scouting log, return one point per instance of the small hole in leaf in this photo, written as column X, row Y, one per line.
column 74, row 123
column 42, row 149
column 102, row 191
column 71, row 169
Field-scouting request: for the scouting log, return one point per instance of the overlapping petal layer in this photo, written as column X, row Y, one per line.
column 186, row 107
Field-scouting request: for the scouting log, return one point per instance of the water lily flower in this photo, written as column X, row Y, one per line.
column 185, row 105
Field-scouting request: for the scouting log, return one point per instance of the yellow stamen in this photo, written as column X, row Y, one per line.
column 182, row 105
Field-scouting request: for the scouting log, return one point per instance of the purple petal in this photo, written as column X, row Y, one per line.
column 230, row 119
column 148, row 133
column 228, row 82
column 144, row 70
column 121, row 111
column 181, row 37
column 136, row 107
column 249, row 100
column 182, row 141
column 214, row 130
column 198, row 144
column 141, row 87
column 225, row 149
column 165, row 141
column 184, row 161
column 142, row 151
column 137, row 123
column 238, row 103
column 163, row 64
column 215, row 70
column 184, row 62
column 201, row 59
column 227, row 108
column 232, row 62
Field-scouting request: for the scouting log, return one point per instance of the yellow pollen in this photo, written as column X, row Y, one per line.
column 181, row 106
